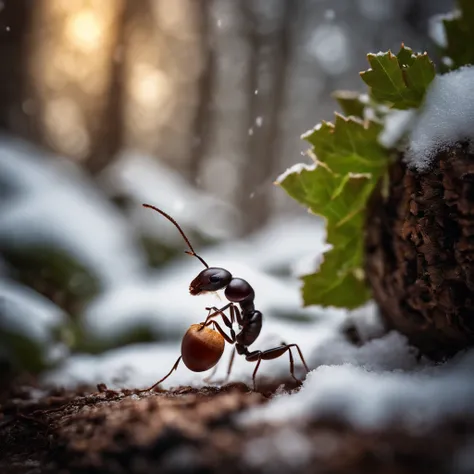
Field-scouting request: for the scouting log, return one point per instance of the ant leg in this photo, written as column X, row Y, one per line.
column 274, row 353
column 229, row 368
column 175, row 366
column 227, row 322
column 259, row 360
column 219, row 312
column 301, row 357
column 229, row 339
column 209, row 377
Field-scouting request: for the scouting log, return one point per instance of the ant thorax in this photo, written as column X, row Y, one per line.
column 239, row 291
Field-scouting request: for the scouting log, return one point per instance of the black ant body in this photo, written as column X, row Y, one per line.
column 202, row 347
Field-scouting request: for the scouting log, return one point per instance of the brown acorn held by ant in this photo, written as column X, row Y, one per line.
column 202, row 347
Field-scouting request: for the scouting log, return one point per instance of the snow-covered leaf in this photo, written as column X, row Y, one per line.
column 400, row 80
column 348, row 146
column 349, row 163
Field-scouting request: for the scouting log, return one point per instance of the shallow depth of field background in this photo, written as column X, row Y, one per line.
column 193, row 105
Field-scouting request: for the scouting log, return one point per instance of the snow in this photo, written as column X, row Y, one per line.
column 296, row 168
column 436, row 29
column 141, row 365
column 396, row 125
column 162, row 303
column 27, row 312
column 370, row 385
column 147, row 180
column 379, row 382
column 446, row 119
column 53, row 203
column 382, row 385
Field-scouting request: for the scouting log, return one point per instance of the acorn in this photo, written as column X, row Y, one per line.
column 201, row 348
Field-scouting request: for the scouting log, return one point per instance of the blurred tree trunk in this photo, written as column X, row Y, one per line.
column 14, row 27
column 200, row 138
column 266, row 96
column 273, row 139
column 253, row 167
column 108, row 138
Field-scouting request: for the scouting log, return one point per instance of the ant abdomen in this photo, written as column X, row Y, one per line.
column 239, row 290
column 201, row 348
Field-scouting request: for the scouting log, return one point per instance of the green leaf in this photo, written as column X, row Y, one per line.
column 400, row 80
column 349, row 163
column 405, row 56
column 334, row 197
column 351, row 103
column 337, row 282
column 348, row 146
column 459, row 29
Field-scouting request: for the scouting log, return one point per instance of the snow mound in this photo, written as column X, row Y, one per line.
column 370, row 399
column 27, row 313
column 24, row 311
column 51, row 202
column 446, row 118
column 145, row 179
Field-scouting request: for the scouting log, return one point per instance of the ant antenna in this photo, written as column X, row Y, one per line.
column 189, row 252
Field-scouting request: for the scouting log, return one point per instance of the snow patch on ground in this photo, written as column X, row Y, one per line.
column 141, row 365
column 446, row 119
column 145, row 179
column 51, row 202
column 24, row 311
column 392, row 389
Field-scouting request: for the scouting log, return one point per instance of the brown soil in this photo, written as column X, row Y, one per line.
column 420, row 253
column 196, row 431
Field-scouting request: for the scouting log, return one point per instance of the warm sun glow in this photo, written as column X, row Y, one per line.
column 150, row 86
column 85, row 30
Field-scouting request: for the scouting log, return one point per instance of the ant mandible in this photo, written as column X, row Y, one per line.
column 202, row 347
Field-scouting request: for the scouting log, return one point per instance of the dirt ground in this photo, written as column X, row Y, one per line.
column 196, row 431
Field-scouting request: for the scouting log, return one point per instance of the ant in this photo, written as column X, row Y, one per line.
column 202, row 347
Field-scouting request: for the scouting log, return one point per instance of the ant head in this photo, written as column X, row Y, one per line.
column 210, row 279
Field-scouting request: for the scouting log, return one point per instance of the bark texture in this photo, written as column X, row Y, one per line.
column 420, row 253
